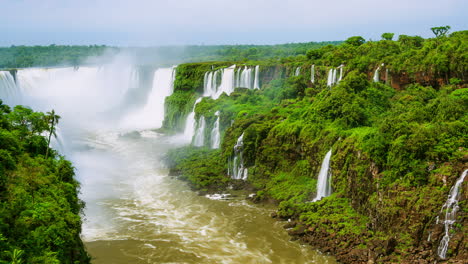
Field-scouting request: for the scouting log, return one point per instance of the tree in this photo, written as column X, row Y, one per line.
column 355, row 41
column 388, row 36
column 440, row 31
column 52, row 120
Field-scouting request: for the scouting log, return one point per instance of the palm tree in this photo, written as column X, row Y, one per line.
column 52, row 120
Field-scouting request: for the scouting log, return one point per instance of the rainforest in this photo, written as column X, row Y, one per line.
column 349, row 151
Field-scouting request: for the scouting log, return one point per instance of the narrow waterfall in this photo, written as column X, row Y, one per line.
column 9, row 92
column 324, row 178
column 257, row 77
column 450, row 208
column 199, row 138
column 237, row 171
column 298, row 71
column 312, row 73
column 376, row 77
column 189, row 130
column 341, row 73
column 215, row 133
column 330, row 80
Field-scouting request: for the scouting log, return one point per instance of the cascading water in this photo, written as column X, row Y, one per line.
column 257, row 77
column 376, row 77
column 298, row 71
column 215, row 133
column 324, row 178
column 189, row 130
column 199, row 138
column 332, row 76
column 9, row 93
column 341, row 73
column 152, row 114
column 450, row 208
column 330, row 80
column 237, row 170
column 312, row 73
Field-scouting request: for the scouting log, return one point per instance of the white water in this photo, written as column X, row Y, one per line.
column 324, row 179
column 152, row 114
column 450, row 208
column 242, row 77
column 376, row 77
column 9, row 93
column 212, row 89
column 237, row 170
column 298, row 71
column 257, row 77
column 189, row 130
column 215, row 133
column 341, row 73
column 330, row 80
column 312, row 73
column 199, row 138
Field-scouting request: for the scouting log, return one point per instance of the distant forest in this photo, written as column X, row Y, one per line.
column 57, row 55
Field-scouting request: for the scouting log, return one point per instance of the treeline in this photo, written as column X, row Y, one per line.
column 39, row 206
column 47, row 56
column 57, row 55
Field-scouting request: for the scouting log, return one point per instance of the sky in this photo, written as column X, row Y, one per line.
column 206, row 22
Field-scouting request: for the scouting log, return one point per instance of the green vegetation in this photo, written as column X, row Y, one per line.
column 39, row 206
column 398, row 145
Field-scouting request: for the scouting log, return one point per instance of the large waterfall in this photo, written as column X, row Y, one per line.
column 257, row 77
column 450, row 208
column 237, row 169
column 332, row 76
column 215, row 133
column 152, row 114
column 324, row 178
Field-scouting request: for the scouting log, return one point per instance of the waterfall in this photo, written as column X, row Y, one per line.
column 376, row 75
column 324, row 178
column 450, row 207
column 215, row 134
column 237, row 171
column 312, row 73
column 341, row 73
column 330, row 78
column 211, row 85
column 298, row 71
column 152, row 114
column 199, row 138
column 189, row 130
column 243, row 77
column 257, row 77
column 9, row 92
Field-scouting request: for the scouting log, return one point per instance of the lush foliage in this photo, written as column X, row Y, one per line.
column 39, row 206
column 394, row 150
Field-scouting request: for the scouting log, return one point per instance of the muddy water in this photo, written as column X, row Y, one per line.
column 137, row 214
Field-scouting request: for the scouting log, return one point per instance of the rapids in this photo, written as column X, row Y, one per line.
column 135, row 212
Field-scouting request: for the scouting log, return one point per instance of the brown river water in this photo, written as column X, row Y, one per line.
column 136, row 213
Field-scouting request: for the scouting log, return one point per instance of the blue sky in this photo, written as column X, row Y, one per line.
column 168, row 22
